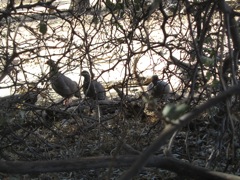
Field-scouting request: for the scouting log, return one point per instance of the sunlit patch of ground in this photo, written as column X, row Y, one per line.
column 147, row 65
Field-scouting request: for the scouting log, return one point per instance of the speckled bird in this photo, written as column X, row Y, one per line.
column 62, row 84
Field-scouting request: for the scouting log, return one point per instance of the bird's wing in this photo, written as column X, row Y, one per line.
column 99, row 90
column 163, row 86
column 150, row 87
column 64, row 86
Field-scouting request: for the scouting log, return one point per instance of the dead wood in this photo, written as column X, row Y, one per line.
column 171, row 164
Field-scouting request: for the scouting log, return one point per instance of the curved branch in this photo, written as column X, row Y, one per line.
column 181, row 168
column 171, row 128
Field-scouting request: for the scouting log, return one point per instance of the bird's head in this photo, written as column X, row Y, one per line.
column 85, row 74
column 53, row 65
column 50, row 63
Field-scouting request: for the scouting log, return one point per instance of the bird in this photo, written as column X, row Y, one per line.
column 31, row 97
column 157, row 91
column 62, row 84
column 92, row 88
column 158, row 88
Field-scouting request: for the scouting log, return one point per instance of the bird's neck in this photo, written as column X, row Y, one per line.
column 155, row 82
column 53, row 70
column 87, row 79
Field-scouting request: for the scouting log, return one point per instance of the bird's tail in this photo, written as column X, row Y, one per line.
column 77, row 94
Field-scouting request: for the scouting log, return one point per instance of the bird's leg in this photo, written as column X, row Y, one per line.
column 67, row 101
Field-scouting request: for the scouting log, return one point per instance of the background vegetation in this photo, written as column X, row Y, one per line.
column 192, row 45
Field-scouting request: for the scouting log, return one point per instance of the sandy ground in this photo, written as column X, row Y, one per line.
column 148, row 64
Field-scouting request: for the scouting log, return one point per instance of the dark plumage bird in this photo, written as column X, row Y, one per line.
column 92, row 88
column 61, row 84
column 30, row 97
column 158, row 88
